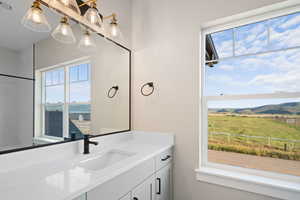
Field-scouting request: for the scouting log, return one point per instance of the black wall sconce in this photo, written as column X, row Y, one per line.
column 112, row 91
column 149, row 84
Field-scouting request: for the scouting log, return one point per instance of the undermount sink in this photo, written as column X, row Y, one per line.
column 105, row 160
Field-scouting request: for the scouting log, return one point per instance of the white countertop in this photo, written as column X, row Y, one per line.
column 65, row 179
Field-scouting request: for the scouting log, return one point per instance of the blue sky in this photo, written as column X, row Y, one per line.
column 266, row 73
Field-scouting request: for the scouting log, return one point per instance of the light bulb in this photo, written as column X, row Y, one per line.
column 92, row 15
column 64, row 29
column 65, row 2
column 63, row 32
column 35, row 20
column 86, row 43
column 36, row 16
column 93, row 18
column 114, row 30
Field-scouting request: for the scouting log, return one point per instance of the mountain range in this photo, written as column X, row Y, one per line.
column 284, row 108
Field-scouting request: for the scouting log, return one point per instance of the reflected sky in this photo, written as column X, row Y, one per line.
column 79, row 84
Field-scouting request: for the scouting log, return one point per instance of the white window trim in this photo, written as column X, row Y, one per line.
column 40, row 128
column 257, row 181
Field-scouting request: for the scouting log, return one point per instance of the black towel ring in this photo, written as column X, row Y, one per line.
column 150, row 84
column 115, row 88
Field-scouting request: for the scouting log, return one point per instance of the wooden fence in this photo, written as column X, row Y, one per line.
column 285, row 144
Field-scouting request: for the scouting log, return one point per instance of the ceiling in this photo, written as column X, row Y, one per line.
column 13, row 34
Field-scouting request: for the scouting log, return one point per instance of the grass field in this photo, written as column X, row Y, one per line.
column 254, row 126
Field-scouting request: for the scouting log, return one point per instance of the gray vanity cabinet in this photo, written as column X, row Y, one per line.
column 145, row 191
column 150, row 180
column 164, row 183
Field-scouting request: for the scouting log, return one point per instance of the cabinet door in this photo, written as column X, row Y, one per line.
column 81, row 197
column 145, row 191
column 164, row 183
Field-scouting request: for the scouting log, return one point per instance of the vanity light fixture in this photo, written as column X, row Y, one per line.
column 86, row 43
column 35, row 19
column 63, row 32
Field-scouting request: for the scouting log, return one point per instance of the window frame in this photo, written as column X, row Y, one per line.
column 252, row 180
column 41, row 95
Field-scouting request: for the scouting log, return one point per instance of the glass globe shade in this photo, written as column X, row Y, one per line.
column 86, row 43
column 35, row 19
column 63, row 32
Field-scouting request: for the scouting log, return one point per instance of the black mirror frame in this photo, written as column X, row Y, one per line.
column 92, row 136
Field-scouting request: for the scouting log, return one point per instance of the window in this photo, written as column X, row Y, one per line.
column 54, row 102
column 66, row 97
column 251, row 98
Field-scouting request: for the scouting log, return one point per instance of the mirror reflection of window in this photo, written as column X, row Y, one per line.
column 80, row 100
column 66, row 97
column 54, row 102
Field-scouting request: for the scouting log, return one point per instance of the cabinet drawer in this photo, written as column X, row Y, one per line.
column 163, row 159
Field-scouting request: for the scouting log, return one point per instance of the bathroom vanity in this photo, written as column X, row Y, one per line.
column 127, row 166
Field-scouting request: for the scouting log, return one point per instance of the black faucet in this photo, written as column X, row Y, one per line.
column 86, row 143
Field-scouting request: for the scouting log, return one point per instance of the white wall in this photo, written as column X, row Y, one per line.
column 8, row 130
column 110, row 114
column 16, row 98
column 24, row 98
column 16, row 62
column 9, row 61
column 166, row 50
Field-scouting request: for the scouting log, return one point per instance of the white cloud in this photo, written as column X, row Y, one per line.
column 291, row 22
column 226, row 80
column 289, row 38
column 253, row 64
column 288, row 82
column 224, row 49
column 226, row 67
column 219, row 78
column 251, row 39
column 284, row 73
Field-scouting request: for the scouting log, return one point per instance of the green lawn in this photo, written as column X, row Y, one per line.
column 254, row 126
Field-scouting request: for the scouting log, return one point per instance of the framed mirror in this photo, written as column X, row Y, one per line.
column 54, row 88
